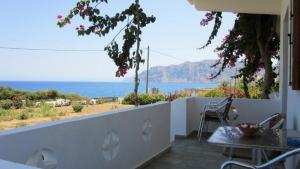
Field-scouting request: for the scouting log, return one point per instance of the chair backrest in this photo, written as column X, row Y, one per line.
column 227, row 109
column 275, row 121
column 226, row 99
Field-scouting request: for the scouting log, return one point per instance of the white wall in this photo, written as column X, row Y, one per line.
column 239, row 6
column 178, row 118
column 122, row 139
column 10, row 165
column 291, row 98
column 250, row 110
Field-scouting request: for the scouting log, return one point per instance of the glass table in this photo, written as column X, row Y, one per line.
column 266, row 139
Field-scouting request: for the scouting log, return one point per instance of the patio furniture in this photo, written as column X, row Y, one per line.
column 216, row 104
column 268, row 164
column 268, row 139
column 275, row 121
column 214, row 113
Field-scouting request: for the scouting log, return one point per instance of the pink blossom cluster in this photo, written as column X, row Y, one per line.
column 80, row 28
column 209, row 17
column 63, row 21
column 86, row 11
column 122, row 71
column 225, row 39
column 232, row 61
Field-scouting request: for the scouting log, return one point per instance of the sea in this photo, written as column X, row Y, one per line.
column 101, row 89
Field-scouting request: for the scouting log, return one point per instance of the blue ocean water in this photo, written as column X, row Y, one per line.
column 100, row 89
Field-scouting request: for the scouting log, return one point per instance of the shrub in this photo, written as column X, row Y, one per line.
column 23, row 116
column 177, row 95
column 29, row 103
column 6, row 104
column 6, row 93
column 143, row 99
column 3, row 112
column 6, row 115
column 22, row 124
column 158, row 98
column 100, row 101
column 71, row 96
column 129, row 99
column 77, row 108
column 52, row 94
column 46, row 110
column 18, row 104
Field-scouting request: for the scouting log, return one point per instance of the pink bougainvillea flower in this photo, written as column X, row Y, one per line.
column 59, row 17
column 81, row 26
column 80, row 7
column 68, row 21
column 88, row 11
column 225, row 39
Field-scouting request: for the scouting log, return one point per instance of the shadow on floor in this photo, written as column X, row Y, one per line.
column 189, row 153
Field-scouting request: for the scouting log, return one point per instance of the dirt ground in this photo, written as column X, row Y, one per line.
column 66, row 113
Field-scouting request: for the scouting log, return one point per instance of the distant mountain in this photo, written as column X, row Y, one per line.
column 188, row 72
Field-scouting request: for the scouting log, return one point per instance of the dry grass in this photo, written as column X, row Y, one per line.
column 54, row 114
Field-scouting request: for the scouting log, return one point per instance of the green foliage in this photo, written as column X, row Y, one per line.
column 129, row 99
column 52, row 94
column 21, row 124
column 217, row 92
column 14, row 98
column 23, row 115
column 29, row 103
column 18, row 104
column 6, row 104
column 46, row 110
column 143, row 99
column 158, row 98
column 77, row 108
column 3, row 112
column 100, row 101
column 224, row 89
column 177, row 96
column 7, row 115
column 100, row 24
column 6, row 93
column 254, row 41
column 71, row 96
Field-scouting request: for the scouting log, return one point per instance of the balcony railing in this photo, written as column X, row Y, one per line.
column 121, row 139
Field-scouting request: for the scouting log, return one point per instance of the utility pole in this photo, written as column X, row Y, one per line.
column 147, row 80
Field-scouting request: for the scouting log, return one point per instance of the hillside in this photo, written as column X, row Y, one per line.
column 188, row 72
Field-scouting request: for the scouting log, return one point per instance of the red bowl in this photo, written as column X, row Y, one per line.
column 249, row 129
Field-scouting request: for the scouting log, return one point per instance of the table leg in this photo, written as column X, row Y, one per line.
column 257, row 156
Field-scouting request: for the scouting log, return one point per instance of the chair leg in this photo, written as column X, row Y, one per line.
column 200, row 127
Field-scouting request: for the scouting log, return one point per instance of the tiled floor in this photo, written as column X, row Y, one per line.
column 190, row 154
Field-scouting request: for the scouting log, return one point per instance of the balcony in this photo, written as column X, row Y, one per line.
column 142, row 137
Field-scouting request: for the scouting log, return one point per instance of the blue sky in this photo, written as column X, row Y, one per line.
column 32, row 24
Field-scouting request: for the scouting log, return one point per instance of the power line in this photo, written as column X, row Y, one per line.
column 167, row 55
column 50, row 50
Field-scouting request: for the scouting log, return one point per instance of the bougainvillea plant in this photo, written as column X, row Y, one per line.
column 100, row 24
column 253, row 41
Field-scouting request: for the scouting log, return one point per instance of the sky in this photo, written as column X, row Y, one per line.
column 32, row 24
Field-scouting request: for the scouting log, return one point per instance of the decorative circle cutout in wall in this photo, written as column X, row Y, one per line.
column 111, row 145
column 147, row 130
column 43, row 158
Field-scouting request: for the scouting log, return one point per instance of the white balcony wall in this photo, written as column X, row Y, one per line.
column 10, row 165
column 250, row 110
column 121, row 139
column 178, row 118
